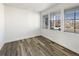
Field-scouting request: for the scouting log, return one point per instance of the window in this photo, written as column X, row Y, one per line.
column 45, row 21
column 55, row 21
column 77, row 21
column 71, row 22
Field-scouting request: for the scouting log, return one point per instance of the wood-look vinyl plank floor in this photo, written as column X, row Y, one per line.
column 35, row 46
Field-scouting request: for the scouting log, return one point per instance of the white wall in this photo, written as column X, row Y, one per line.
column 2, row 31
column 21, row 23
column 68, row 40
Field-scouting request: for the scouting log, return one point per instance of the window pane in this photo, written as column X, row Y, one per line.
column 51, row 21
column 45, row 21
column 55, row 21
column 51, row 24
column 56, row 17
column 69, row 15
column 77, row 14
column 69, row 21
column 77, row 21
column 51, row 16
column 69, row 25
column 77, row 26
column 56, row 25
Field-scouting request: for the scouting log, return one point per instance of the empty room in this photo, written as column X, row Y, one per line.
column 39, row 29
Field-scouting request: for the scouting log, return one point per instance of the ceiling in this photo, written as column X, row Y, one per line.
column 37, row 7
